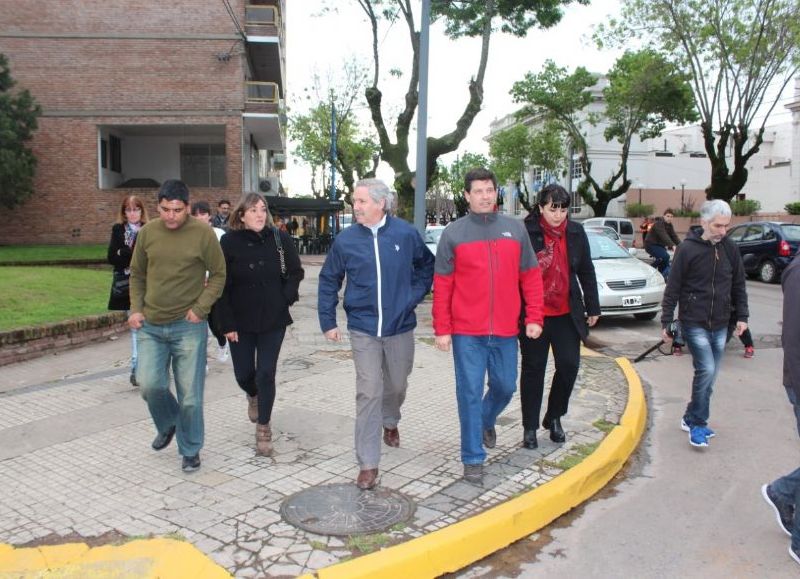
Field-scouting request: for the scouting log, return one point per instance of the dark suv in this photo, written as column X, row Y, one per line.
column 767, row 247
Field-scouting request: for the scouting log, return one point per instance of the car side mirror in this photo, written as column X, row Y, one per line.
column 632, row 251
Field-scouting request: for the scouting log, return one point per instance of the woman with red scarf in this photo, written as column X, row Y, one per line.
column 570, row 305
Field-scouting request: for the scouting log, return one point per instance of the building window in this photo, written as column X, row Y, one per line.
column 103, row 154
column 115, row 146
column 537, row 179
column 576, row 171
column 203, row 165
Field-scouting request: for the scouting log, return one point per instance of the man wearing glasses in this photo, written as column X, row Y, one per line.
column 484, row 261
column 170, row 301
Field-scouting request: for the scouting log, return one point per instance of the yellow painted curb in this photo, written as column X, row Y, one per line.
column 161, row 558
column 465, row 542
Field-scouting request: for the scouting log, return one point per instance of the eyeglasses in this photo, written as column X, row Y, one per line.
column 133, row 210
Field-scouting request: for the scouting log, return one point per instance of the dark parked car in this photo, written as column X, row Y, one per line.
column 767, row 247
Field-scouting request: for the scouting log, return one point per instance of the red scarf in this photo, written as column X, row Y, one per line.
column 555, row 269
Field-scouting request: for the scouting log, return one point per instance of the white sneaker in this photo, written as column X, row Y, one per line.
column 222, row 353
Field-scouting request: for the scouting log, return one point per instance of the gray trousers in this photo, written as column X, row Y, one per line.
column 382, row 369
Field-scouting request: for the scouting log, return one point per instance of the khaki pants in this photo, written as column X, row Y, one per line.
column 382, row 369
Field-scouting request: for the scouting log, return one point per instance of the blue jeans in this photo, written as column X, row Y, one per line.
column 473, row 356
column 182, row 345
column 788, row 487
column 706, row 347
column 134, row 349
column 660, row 257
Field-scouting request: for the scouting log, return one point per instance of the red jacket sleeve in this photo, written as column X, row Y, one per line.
column 532, row 290
column 442, row 298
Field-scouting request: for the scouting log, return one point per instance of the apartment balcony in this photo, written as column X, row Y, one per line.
column 264, row 115
column 266, row 41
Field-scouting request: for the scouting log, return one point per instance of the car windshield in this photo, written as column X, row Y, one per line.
column 604, row 248
column 791, row 232
column 433, row 235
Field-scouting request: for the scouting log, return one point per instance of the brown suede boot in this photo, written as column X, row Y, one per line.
column 252, row 408
column 263, row 440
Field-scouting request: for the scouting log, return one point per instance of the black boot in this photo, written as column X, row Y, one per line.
column 554, row 425
column 529, row 440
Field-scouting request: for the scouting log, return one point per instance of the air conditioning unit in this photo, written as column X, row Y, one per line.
column 269, row 185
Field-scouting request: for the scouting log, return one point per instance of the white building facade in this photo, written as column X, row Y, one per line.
column 672, row 170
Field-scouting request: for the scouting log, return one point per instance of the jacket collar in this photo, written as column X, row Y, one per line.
column 482, row 218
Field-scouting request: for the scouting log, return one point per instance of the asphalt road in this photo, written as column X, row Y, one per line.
column 677, row 511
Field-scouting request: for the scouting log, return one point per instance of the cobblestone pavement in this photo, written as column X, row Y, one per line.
column 76, row 462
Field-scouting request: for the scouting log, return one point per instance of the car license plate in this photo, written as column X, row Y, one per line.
column 631, row 301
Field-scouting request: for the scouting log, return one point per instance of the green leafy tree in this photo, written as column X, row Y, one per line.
column 644, row 92
column 736, row 53
column 18, row 121
column 356, row 153
column 462, row 18
column 356, row 148
column 451, row 178
column 517, row 149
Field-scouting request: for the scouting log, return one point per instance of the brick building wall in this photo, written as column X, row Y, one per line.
column 115, row 63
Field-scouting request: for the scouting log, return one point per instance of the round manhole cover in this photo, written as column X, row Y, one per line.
column 344, row 509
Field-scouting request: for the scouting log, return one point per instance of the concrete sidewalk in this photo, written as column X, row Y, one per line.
column 76, row 462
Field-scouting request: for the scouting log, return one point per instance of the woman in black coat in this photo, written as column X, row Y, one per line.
column 253, row 311
column 571, row 305
column 132, row 215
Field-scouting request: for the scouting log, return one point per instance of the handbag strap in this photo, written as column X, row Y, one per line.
column 279, row 245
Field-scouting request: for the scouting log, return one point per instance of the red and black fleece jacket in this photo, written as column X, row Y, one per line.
column 483, row 262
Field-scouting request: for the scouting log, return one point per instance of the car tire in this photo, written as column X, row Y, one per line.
column 646, row 316
column 767, row 272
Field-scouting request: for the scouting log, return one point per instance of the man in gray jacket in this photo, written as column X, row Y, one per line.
column 783, row 494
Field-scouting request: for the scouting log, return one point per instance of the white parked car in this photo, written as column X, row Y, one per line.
column 626, row 285
column 432, row 235
column 621, row 225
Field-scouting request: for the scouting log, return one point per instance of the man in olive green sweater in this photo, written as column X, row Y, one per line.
column 170, row 301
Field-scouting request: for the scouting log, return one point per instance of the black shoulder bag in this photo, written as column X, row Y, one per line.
column 281, row 256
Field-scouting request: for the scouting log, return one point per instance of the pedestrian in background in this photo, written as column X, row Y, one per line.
column 220, row 220
column 132, row 215
column 571, row 303
column 262, row 281
column 201, row 211
column 707, row 283
column 389, row 271
column 170, row 300
column 783, row 494
column 660, row 238
column 484, row 261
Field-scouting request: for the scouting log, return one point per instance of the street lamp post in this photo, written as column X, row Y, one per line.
column 683, row 189
column 641, row 186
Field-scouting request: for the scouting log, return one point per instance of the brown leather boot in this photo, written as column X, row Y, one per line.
column 263, row 440
column 252, row 408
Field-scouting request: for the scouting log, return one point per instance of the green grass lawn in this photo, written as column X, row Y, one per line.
column 13, row 253
column 31, row 296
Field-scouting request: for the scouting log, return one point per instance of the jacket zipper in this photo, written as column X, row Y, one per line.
column 491, row 287
column 713, row 289
column 378, row 273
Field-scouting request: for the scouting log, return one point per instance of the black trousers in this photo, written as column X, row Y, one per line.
column 255, row 362
column 560, row 333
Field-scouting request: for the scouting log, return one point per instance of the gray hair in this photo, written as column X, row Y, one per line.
column 710, row 209
column 378, row 190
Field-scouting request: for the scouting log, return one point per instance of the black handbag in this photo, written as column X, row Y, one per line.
column 120, row 285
